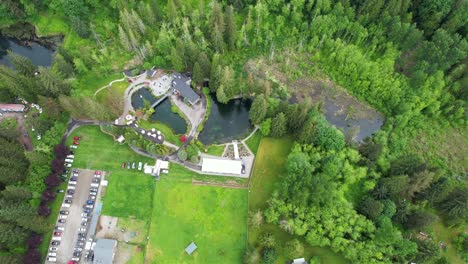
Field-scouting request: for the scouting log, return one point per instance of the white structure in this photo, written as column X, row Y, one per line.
column 236, row 150
column 228, row 166
column 299, row 261
column 121, row 139
column 155, row 170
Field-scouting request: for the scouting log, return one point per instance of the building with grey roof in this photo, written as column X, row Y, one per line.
column 191, row 248
column 104, row 251
column 181, row 84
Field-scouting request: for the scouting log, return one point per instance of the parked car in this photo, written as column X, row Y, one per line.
column 92, row 197
column 55, row 243
column 52, row 254
column 93, row 189
column 123, row 165
column 84, row 224
column 69, row 196
column 63, row 212
column 81, row 239
column 53, row 249
column 75, row 174
column 84, row 219
column 52, row 259
column 68, row 165
column 62, row 221
column 76, row 259
column 76, row 138
column 75, row 170
column 129, row 166
column 96, row 180
column 98, row 172
column 133, row 165
column 66, row 205
column 92, row 193
column 243, row 169
column 76, row 143
column 60, row 191
column 60, row 228
column 68, row 201
column 70, row 191
column 81, row 235
column 70, row 156
column 140, row 166
column 94, row 185
column 57, row 233
column 89, row 206
column 89, row 202
column 74, row 178
column 84, row 215
column 78, row 249
column 63, row 216
column 82, row 229
column 71, row 187
column 73, row 146
column 72, row 183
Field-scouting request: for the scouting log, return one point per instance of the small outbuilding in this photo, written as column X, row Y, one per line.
column 191, row 248
column 121, row 139
column 18, row 108
column 104, row 251
column 299, row 261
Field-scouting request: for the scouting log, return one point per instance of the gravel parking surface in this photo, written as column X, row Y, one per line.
column 74, row 219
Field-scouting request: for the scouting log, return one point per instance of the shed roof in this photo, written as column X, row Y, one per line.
column 191, row 248
column 218, row 165
column 104, row 251
column 12, row 107
column 181, row 84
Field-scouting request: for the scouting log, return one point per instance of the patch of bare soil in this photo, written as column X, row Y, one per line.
column 23, row 138
column 227, row 184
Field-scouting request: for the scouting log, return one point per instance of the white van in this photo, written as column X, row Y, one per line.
column 94, row 184
column 52, row 259
column 57, row 238
column 71, row 156
column 68, row 165
column 52, row 254
column 71, row 187
column 63, row 216
column 69, row 160
column 65, row 205
column 140, row 165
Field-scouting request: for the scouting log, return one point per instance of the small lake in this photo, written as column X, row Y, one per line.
column 162, row 113
column 39, row 55
column 226, row 121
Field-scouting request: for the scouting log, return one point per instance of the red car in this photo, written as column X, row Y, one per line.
column 123, row 165
column 57, row 233
column 97, row 172
column 76, row 143
column 76, row 138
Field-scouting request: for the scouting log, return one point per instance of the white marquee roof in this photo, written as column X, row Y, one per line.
column 221, row 165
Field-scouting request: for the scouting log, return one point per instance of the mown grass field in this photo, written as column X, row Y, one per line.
column 254, row 141
column 212, row 217
column 168, row 133
column 129, row 194
column 269, row 168
column 215, row 150
column 99, row 151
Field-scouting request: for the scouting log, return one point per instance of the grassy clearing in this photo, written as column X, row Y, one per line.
column 117, row 87
column 139, row 227
column 213, row 217
column 446, row 235
column 215, row 150
column 269, row 167
column 129, row 194
column 99, row 151
column 9, row 123
column 254, row 141
column 89, row 83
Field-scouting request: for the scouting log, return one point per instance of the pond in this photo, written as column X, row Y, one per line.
column 39, row 55
column 226, row 121
column 163, row 112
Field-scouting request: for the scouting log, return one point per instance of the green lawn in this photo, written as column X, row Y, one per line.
column 99, row 151
column 254, row 141
column 215, row 150
column 212, row 217
column 269, row 167
column 129, row 194
column 9, row 123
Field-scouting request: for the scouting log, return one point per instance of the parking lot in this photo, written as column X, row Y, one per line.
column 74, row 216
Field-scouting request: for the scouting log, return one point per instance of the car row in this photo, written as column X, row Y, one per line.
column 132, row 165
column 63, row 215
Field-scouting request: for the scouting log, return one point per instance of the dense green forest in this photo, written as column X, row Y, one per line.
column 405, row 58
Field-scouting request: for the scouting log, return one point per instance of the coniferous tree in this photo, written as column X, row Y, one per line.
column 231, row 32
column 197, row 75
column 258, row 110
column 278, row 125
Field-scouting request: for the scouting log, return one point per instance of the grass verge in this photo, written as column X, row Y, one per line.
column 254, row 141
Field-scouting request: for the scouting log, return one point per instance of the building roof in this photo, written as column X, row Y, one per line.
column 104, row 251
column 299, row 261
column 218, row 165
column 94, row 219
column 150, row 72
column 236, row 150
column 182, row 84
column 12, row 107
column 191, row 248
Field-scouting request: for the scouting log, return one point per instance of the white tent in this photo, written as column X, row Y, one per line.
column 228, row 166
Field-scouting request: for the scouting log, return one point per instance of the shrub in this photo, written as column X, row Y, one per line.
column 269, row 256
column 182, row 154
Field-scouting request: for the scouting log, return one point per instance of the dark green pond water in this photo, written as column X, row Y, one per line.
column 39, row 55
column 162, row 113
column 226, row 121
